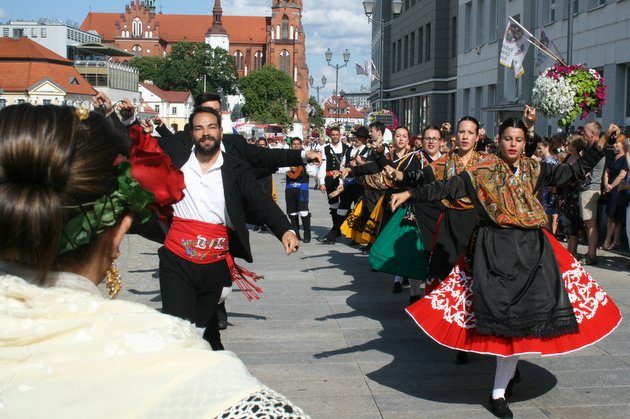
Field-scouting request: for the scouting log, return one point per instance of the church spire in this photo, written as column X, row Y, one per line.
column 217, row 27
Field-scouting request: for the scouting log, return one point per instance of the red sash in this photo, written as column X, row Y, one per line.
column 205, row 243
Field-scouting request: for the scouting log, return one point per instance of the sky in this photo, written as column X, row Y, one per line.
column 334, row 24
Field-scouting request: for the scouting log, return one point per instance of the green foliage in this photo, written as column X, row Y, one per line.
column 237, row 112
column 150, row 68
column 317, row 114
column 269, row 96
column 185, row 66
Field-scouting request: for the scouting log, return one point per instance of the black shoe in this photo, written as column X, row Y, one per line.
column 405, row 281
column 329, row 239
column 510, row 386
column 397, row 287
column 461, row 358
column 414, row 298
column 587, row 260
column 500, row 408
column 223, row 324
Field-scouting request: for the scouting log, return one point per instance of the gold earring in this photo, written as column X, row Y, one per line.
column 112, row 279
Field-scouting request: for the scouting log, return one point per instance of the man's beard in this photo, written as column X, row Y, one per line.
column 207, row 150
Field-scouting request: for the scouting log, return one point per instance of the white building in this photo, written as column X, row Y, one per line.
column 173, row 107
column 57, row 36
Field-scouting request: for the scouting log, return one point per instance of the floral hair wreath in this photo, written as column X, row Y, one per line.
column 147, row 183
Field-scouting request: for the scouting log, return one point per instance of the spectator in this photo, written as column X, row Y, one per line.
column 569, row 195
column 615, row 173
column 547, row 194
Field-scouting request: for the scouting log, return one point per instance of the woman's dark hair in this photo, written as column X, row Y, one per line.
column 402, row 127
column 471, row 119
column 51, row 164
column 512, row 123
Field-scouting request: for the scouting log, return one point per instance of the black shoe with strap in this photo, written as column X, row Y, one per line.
column 500, row 408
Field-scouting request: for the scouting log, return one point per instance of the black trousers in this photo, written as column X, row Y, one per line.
column 191, row 291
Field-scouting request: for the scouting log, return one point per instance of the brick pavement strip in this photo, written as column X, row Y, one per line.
column 331, row 336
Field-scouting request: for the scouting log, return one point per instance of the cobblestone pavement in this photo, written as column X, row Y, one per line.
column 329, row 334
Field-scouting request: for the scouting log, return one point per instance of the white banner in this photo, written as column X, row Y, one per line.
column 543, row 60
column 514, row 47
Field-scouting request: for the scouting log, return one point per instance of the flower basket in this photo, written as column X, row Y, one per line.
column 568, row 91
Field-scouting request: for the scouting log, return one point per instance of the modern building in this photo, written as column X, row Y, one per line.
column 490, row 91
column 173, row 107
column 360, row 99
column 58, row 36
column 253, row 41
column 418, row 64
column 31, row 73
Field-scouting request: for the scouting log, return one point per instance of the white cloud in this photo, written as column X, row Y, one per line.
column 2, row 14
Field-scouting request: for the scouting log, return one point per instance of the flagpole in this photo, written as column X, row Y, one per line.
column 535, row 42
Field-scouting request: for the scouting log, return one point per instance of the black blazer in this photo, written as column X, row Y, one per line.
column 265, row 161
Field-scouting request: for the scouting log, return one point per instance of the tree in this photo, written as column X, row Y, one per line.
column 150, row 68
column 269, row 96
column 185, row 66
column 317, row 114
column 237, row 112
column 188, row 62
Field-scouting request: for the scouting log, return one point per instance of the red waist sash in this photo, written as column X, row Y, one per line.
column 204, row 243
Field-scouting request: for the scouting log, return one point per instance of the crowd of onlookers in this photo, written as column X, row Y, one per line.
column 594, row 212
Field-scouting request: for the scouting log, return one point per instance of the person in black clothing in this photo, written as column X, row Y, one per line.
column 331, row 183
column 218, row 189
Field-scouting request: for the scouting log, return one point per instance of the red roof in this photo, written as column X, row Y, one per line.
column 24, row 63
column 172, row 96
column 347, row 110
column 191, row 28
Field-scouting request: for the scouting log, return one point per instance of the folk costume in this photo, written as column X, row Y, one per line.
column 296, row 196
column 334, row 159
column 517, row 291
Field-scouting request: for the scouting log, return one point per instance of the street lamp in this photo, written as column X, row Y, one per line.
column 346, row 58
column 311, row 81
column 368, row 7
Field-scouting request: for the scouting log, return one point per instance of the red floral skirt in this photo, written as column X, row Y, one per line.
column 447, row 315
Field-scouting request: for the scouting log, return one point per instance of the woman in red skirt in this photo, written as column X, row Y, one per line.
column 517, row 290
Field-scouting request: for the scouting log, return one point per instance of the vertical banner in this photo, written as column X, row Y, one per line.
column 543, row 60
column 514, row 47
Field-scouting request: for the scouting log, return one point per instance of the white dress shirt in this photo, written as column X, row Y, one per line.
column 204, row 199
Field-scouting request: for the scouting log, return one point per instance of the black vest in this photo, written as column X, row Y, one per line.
column 333, row 160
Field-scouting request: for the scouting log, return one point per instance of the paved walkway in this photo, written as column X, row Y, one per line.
column 329, row 334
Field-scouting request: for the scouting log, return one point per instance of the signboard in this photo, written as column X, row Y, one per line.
column 386, row 119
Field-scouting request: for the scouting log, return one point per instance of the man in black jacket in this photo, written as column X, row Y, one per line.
column 208, row 228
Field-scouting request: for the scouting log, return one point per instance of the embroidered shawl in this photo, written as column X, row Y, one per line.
column 508, row 197
column 450, row 165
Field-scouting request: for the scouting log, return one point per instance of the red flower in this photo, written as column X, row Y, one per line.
column 153, row 169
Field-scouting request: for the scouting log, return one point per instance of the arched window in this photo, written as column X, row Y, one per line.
column 285, row 27
column 258, row 60
column 136, row 27
column 291, row 32
column 285, row 61
column 238, row 56
column 137, row 50
column 277, row 31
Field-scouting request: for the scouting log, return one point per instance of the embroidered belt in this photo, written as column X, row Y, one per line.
column 205, row 243
column 297, row 185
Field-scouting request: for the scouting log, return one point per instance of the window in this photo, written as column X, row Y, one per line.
column 412, row 49
column 157, row 108
column 285, row 27
column 399, row 55
column 285, row 61
column 137, row 50
column 174, row 110
column 393, row 57
column 136, row 27
column 238, row 57
column 454, row 37
column 47, row 101
column 44, row 33
column 18, row 32
column 420, row 45
column 74, row 80
column 549, row 11
column 466, row 102
column 20, row 101
column 493, row 28
column 480, row 22
column 3, row 103
column 595, row 3
column 467, row 26
column 428, row 40
column 33, row 32
column 406, row 56
column 258, row 57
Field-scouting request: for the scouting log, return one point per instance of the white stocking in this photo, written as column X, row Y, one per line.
column 398, row 279
column 504, row 373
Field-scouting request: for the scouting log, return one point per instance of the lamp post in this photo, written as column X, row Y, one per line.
column 368, row 7
column 311, row 82
column 346, row 58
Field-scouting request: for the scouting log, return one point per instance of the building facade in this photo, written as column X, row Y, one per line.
column 59, row 37
column 491, row 92
column 253, row 41
column 418, row 64
column 173, row 107
column 360, row 99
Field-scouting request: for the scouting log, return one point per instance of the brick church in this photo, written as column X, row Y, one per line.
column 253, row 41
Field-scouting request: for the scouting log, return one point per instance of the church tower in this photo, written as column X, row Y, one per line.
column 217, row 36
column 287, row 50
